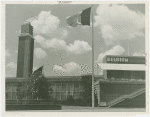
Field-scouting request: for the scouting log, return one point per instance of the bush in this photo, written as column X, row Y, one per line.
column 40, row 88
column 69, row 101
column 95, row 101
column 34, row 89
column 80, row 102
column 87, row 89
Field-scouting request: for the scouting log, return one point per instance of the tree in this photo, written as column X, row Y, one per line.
column 24, row 90
column 40, row 88
column 37, row 87
column 87, row 89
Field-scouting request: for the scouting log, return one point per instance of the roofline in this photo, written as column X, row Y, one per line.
column 126, row 56
column 123, row 56
column 61, row 76
column 119, row 82
column 15, row 79
column 55, row 77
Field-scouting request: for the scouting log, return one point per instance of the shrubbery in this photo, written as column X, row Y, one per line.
column 87, row 89
column 37, row 90
column 34, row 90
column 40, row 88
column 86, row 97
column 74, row 102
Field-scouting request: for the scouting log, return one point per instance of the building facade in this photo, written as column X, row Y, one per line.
column 125, row 67
column 61, row 87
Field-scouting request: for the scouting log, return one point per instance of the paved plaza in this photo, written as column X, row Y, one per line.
column 90, row 109
column 100, row 109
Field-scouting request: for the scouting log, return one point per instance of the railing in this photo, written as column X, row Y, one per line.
column 115, row 101
column 108, row 97
column 121, row 98
column 136, row 93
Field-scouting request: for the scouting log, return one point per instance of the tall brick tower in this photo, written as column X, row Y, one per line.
column 25, row 51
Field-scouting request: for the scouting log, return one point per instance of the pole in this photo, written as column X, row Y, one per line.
column 128, row 48
column 92, row 63
column 43, row 70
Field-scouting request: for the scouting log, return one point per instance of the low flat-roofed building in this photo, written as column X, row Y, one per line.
column 123, row 67
column 62, row 87
column 124, row 77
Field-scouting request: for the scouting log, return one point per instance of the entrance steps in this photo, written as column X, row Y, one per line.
column 123, row 97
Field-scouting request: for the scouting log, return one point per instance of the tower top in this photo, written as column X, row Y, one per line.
column 26, row 28
column 27, row 22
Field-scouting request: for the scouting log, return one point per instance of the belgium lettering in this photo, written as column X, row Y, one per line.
column 114, row 59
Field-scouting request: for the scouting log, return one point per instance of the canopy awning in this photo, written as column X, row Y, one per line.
column 133, row 67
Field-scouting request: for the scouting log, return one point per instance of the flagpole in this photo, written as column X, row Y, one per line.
column 128, row 48
column 43, row 70
column 92, row 60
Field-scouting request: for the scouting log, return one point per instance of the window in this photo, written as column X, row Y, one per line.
column 76, row 95
column 14, row 87
column 63, row 96
column 137, row 75
column 53, row 95
column 62, row 90
column 8, row 87
column 53, row 87
column 58, row 87
column 58, row 91
column 14, row 95
column 110, row 73
column 8, row 90
column 142, row 74
column 70, row 88
column 76, row 87
column 64, row 87
column 81, row 88
column 127, row 74
column 58, row 95
column 8, row 95
column 14, row 91
column 118, row 74
column 11, row 91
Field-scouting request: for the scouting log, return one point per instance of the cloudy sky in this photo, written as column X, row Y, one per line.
column 67, row 50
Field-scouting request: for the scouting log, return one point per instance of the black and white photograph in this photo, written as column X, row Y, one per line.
column 68, row 56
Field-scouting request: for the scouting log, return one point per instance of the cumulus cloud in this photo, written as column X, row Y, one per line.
column 77, row 47
column 12, row 65
column 45, row 23
column 11, row 69
column 48, row 25
column 117, row 22
column 39, row 53
column 138, row 54
column 67, row 68
column 49, row 35
column 7, row 54
column 116, row 50
column 16, row 51
column 41, row 40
